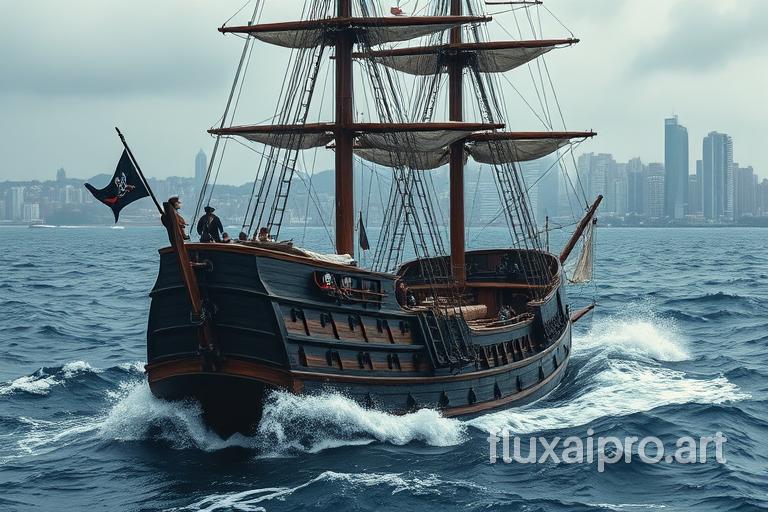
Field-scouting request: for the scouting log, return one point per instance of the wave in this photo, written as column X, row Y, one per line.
column 615, row 372
column 619, row 375
column 635, row 331
column 349, row 485
column 41, row 382
column 619, row 388
column 290, row 424
column 314, row 423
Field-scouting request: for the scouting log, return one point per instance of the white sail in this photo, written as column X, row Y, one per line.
column 582, row 272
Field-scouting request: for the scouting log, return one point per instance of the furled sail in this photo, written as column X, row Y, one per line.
column 291, row 140
column 300, row 136
column 498, row 152
column 423, row 64
column 421, row 141
column 371, row 31
column 376, row 138
column 419, row 160
column 496, row 57
column 374, row 36
column 582, row 272
column 308, row 38
column 505, row 147
column 506, row 59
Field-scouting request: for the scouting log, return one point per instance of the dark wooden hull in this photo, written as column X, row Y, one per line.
column 275, row 328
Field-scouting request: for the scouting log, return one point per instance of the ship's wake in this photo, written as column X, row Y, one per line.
column 618, row 369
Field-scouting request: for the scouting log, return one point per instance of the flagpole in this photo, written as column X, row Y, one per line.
column 138, row 169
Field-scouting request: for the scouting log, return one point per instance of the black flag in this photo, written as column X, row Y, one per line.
column 364, row 245
column 126, row 187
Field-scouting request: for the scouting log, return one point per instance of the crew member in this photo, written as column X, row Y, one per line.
column 209, row 226
column 401, row 294
column 225, row 238
column 175, row 203
column 264, row 235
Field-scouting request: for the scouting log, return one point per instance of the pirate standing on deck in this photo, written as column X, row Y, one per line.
column 209, row 226
column 175, row 202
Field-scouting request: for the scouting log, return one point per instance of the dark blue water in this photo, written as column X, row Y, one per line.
column 677, row 347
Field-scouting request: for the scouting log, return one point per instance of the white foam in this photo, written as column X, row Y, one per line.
column 636, row 331
column 313, row 423
column 40, row 383
column 133, row 367
column 619, row 375
column 75, row 367
column 251, row 500
column 619, row 388
column 137, row 415
column 36, row 384
column 46, row 436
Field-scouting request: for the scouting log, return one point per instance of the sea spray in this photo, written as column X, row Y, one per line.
column 344, row 484
column 636, row 331
column 618, row 388
column 41, row 382
column 314, row 422
column 618, row 374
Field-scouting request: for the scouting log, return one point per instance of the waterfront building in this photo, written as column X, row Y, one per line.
column 654, row 191
column 635, row 186
column 676, row 168
column 717, row 176
column 745, row 192
column 201, row 169
column 31, row 212
column 15, row 203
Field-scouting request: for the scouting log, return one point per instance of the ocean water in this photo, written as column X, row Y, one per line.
column 677, row 346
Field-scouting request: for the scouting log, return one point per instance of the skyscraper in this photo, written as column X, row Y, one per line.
column 635, row 186
column 654, row 191
column 717, row 171
column 762, row 197
column 201, row 168
column 676, row 168
column 745, row 192
column 695, row 193
column 16, row 203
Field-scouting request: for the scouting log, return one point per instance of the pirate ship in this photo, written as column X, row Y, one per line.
column 480, row 329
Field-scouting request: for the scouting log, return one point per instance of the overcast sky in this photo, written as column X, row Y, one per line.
column 70, row 71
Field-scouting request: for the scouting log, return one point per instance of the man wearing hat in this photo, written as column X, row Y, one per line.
column 209, row 226
column 175, row 203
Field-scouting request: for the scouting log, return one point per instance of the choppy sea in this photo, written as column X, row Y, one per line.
column 677, row 347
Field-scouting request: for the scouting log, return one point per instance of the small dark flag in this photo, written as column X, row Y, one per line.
column 364, row 245
column 126, row 187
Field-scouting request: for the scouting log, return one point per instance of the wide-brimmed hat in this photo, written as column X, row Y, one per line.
column 209, row 209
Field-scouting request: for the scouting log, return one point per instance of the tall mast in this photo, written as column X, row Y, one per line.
column 345, row 225
column 455, row 100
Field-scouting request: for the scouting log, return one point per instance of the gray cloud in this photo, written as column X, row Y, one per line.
column 702, row 36
column 110, row 48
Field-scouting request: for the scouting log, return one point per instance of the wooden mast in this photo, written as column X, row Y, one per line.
column 580, row 229
column 455, row 106
column 345, row 225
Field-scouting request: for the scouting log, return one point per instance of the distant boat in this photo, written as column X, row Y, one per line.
column 117, row 227
column 41, row 226
column 460, row 331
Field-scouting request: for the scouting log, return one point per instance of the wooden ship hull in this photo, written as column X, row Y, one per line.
column 276, row 327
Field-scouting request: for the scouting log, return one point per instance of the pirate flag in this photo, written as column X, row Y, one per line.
column 126, row 187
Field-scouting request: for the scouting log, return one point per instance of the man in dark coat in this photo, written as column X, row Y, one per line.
column 209, row 226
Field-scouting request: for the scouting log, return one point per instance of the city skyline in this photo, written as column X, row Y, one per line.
column 719, row 192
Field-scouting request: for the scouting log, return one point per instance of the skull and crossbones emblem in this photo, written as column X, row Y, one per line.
column 123, row 187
